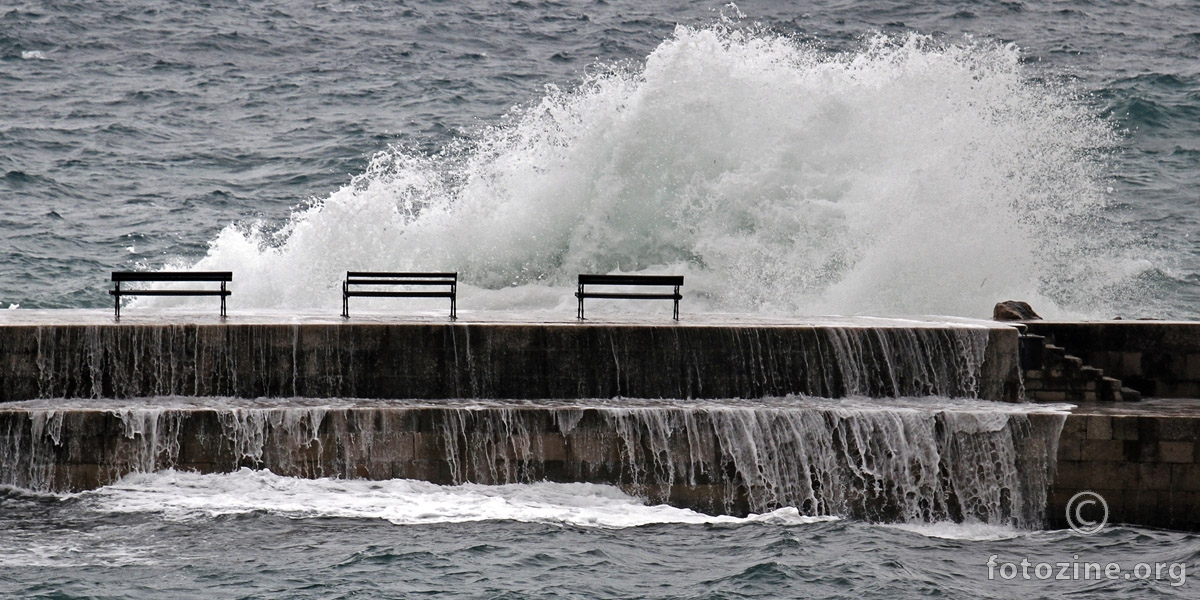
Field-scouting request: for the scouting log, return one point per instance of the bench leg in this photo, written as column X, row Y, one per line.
column 117, row 303
column 453, row 308
column 345, row 300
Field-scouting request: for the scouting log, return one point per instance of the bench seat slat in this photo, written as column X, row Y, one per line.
column 593, row 279
column 170, row 292
column 631, row 296
column 413, row 294
column 355, row 274
column 398, row 282
column 172, row 276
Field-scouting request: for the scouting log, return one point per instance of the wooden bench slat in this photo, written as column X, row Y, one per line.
column 400, row 274
column 590, row 279
column 170, row 292
column 631, row 296
column 414, row 294
column 398, row 281
column 172, row 276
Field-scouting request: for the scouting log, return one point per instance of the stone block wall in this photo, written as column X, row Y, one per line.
column 1157, row 358
column 1144, row 462
column 1146, row 466
column 442, row 446
column 879, row 465
column 479, row 360
column 1052, row 375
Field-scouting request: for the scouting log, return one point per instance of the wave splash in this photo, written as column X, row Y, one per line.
column 183, row 495
column 906, row 177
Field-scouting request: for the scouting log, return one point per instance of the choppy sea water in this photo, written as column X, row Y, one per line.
column 846, row 157
column 254, row 535
column 816, row 157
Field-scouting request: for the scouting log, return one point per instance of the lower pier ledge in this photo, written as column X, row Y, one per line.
column 1142, row 458
column 906, row 460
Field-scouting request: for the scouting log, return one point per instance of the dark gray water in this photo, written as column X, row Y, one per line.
column 851, row 167
column 815, row 157
column 161, row 536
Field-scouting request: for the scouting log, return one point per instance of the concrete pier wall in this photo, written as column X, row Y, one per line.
column 875, row 463
column 1144, row 462
column 1143, row 458
column 491, row 360
column 440, row 446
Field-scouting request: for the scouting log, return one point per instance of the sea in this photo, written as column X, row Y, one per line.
column 824, row 157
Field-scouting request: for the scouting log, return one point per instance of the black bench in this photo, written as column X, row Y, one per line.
column 631, row 280
column 120, row 277
column 373, row 280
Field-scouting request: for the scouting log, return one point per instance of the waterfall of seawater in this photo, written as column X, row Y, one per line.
column 909, row 461
column 709, row 361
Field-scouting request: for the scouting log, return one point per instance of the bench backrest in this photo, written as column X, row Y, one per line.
column 585, row 279
column 407, row 278
column 172, row 276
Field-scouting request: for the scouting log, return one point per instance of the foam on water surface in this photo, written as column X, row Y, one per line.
column 181, row 495
column 961, row 531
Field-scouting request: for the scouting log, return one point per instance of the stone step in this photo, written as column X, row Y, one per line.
column 1054, row 357
column 1110, row 390
column 1052, row 375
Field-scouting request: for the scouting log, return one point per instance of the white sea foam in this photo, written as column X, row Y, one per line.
column 906, row 177
column 185, row 495
column 962, row 531
column 33, row 55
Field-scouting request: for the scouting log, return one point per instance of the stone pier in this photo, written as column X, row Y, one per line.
column 1142, row 458
column 84, row 354
column 880, row 463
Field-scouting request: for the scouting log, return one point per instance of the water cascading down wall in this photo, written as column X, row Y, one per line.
column 714, row 417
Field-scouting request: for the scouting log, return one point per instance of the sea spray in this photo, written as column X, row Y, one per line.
column 907, row 176
column 922, row 460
